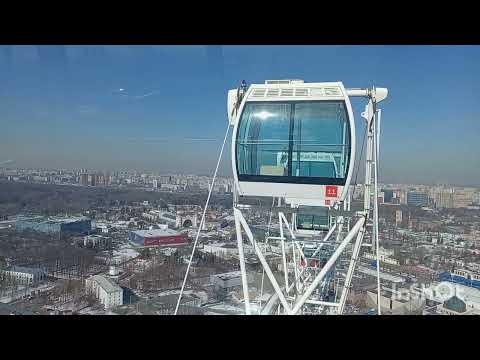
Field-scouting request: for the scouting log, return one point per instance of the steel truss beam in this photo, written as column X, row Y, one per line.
column 241, row 223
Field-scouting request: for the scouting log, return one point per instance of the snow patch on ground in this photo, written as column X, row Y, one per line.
column 124, row 253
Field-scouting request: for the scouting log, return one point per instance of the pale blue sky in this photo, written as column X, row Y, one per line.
column 60, row 106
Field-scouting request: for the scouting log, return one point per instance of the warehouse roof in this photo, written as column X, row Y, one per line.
column 156, row 232
column 455, row 304
column 52, row 220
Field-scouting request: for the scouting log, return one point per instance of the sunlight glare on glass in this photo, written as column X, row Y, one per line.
column 263, row 115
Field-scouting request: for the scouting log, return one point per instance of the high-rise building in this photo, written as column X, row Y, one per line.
column 462, row 198
column 387, row 195
column 92, row 179
column 402, row 196
column 165, row 179
column 100, row 179
column 415, row 198
column 108, row 178
column 381, row 199
column 84, row 179
column 443, row 198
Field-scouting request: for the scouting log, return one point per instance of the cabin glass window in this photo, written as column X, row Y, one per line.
column 321, row 140
column 264, row 133
column 296, row 141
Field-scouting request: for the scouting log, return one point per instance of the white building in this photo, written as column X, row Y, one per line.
column 221, row 250
column 153, row 215
column 170, row 187
column 474, row 266
column 228, row 281
column 383, row 275
column 392, row 302
column 104, row 289
column 24, row 275
column 95, row 240
column 384, row 255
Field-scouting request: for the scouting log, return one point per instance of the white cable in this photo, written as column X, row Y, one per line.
column 203, row 219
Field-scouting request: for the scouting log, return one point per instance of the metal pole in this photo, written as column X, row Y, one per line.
column 324, row 303
column 284, row 259
column 292, row 234
column 368, row 115
column 266, row 243
column 330, row 232
column 375, row 215
column 241, row 256
column 351, row 269
column 294, row 243
column 377, row 139
column 340, row 228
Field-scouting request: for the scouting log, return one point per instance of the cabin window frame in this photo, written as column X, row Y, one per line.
column 290, row 179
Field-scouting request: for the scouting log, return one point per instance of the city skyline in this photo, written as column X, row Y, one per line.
column 48, row 175
column 139, row 107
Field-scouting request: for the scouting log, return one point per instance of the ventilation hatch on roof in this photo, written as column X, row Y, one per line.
column 273, row 92
column 301, row 92
column 287, row 92
column 316, row 92
column 288, row 81
column 258, row 93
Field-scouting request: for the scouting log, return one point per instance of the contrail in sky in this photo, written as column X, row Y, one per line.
column 146, row 95
column 124, row 92
column 171, row 139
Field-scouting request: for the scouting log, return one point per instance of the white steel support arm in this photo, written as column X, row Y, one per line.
column 292, row 235
column 274, row 298
column 325, row 239
column 351, row 269
column 358, row 92
column 340, row 228
column 241, row 257
column 263, row 261
column 328, row 265
column 284, row 259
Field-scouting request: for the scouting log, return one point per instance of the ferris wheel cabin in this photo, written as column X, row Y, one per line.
column 294, row 140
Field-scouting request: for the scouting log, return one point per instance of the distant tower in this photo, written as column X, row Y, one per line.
column 398, row 218
column 84, row 179
column 93, row 179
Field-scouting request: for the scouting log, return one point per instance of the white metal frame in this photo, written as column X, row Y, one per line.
column 285, row 300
